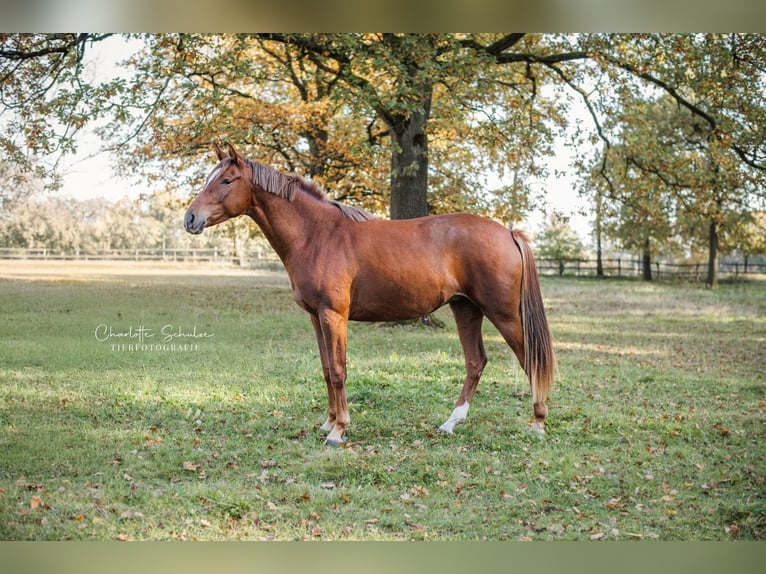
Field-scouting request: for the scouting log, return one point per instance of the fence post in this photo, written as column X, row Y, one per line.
column 619, row 267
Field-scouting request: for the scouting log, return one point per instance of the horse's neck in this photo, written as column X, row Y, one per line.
column 289, row 225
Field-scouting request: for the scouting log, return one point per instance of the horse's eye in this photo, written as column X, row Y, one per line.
column 227, row 181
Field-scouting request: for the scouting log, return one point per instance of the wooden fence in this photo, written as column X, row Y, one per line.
column 632, row 267
column 169, row 255
column 265, row 258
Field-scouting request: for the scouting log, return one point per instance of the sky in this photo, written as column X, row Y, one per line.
column 90, row 173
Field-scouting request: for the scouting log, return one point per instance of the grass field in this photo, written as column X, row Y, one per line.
column 161, row 403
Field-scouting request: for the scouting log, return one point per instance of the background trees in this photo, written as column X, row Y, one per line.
column 693, row 137
column 410, row 124
column 559, row 242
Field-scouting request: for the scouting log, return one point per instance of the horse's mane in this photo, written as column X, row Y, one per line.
column 286, row 185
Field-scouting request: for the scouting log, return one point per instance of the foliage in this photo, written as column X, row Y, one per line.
column 748, row 233
column 655, row 427
column 44, row 98
column 559, row 242
column 326, row 105
column 72, row 225
column 693, row 148
column 414, row 123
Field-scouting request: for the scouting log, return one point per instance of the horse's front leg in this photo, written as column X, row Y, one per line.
column 329, row 424
column 332, row 330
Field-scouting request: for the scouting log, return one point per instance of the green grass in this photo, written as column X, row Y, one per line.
column 656, row 425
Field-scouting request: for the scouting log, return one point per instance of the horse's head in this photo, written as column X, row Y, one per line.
column 227, row 193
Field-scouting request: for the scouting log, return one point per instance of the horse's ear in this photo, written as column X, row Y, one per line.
column 233, row 154
column 218, row 151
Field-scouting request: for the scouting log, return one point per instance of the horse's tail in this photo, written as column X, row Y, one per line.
column 539, row 357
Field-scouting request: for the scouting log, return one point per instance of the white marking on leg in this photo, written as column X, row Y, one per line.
column 327, row 426
column 458, row 416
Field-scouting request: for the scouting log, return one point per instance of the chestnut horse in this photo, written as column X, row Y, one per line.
column 344, row 264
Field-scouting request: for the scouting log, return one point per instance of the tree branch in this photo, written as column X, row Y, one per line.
column 682, row 101
column 507, row 41
column 594, row 116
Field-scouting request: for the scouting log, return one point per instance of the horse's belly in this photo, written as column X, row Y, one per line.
column 395, row 301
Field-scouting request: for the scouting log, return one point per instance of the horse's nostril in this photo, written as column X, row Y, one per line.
column 193, row 224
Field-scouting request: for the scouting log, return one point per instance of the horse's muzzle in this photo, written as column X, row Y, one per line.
column 193, row 224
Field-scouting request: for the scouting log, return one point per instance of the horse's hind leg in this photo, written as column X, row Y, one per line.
column 511, row 330
column 468, row 318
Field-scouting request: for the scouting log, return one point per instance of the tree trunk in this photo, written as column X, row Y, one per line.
column 646, row 261
column 599, row 262
column 409, row 162
column 712, row 262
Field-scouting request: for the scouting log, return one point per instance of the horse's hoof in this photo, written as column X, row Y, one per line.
column 334, row 442
column 536, row 431
column 447, row 429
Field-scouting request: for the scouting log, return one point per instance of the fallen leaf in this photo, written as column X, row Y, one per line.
column 121, row 537
column 35, row 502
column 191, row 466
column 419, row 491
column 372, row 520
column 597, row 536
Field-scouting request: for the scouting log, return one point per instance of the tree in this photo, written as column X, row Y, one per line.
column 667, row 174
column 749, row 237
column 44, row 99
column 481, row 87
column 559, row 242
column 325, row 105
column 634, row 207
